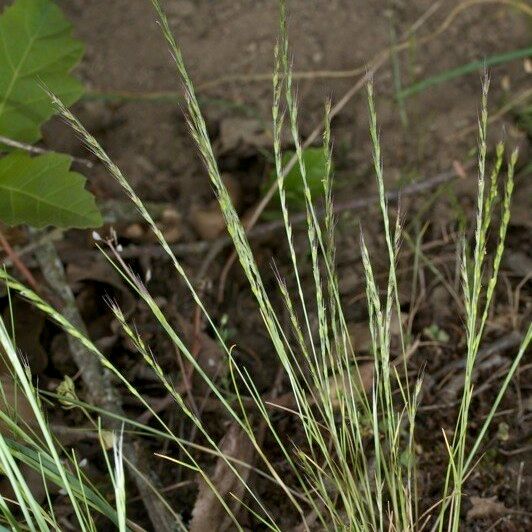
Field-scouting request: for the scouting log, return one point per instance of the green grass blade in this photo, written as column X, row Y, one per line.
column 463, row 70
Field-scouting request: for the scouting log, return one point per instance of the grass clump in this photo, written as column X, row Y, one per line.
column 357, row 467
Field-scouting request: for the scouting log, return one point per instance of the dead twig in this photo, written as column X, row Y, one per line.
column 196, row 248
column 361, row 203
column 97, row 380
column 508, row 341
column 350, row 205
column 19, row 265
column 39, row 151
column 452, row 389
column 514, row 102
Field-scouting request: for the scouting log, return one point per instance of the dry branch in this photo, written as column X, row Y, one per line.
column 97, row 381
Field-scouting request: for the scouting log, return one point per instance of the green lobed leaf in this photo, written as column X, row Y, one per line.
column 36, row 48
column 42, row 191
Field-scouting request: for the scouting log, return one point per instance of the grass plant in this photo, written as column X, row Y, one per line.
column 357, row 469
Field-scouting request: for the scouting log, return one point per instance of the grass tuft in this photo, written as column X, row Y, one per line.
column 356, row 468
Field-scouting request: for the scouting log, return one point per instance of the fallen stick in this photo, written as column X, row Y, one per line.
column 269, row 227
column 201, row 246
column 98, row 383
column 39, row 151
column 17, row 262
column 361, row 203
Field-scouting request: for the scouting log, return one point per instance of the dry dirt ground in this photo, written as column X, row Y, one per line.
column 132, row 107
column 221, row 39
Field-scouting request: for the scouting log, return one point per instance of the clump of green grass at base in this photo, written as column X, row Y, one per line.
column 344, row 477
column 34, row 446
